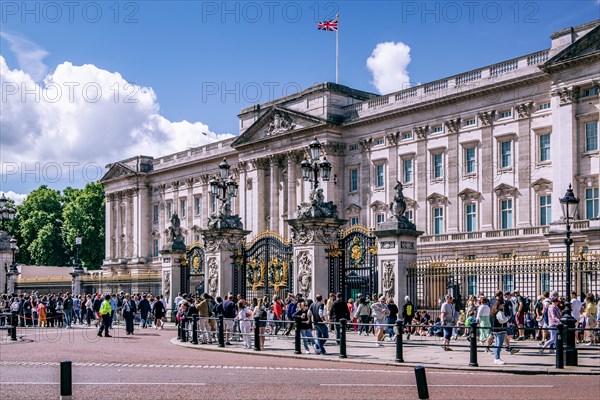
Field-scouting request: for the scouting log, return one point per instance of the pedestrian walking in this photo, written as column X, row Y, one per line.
column 447, row 319
column 499, row 327
column 379, row 312
column 128, row 310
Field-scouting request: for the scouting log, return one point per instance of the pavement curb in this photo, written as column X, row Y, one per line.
column 266, row 353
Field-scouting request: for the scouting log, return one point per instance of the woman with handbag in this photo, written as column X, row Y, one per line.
column 499, row 327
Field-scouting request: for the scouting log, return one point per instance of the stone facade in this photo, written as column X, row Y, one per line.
column 483, row 157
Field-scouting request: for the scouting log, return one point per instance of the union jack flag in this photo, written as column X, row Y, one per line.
column 331, row 25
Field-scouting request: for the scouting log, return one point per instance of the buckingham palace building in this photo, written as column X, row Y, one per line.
column 483, row 157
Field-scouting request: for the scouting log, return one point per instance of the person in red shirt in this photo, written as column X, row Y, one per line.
column 277, row 313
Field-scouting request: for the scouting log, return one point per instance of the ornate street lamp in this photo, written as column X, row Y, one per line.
column 310, row 168
column 7, row 211
column 224, row 188
column 78, row 242
column 569, row 205
column 14, row 248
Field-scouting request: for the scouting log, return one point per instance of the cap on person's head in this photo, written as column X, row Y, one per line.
column 339, row 295
column 407, row 298
column 507, row 293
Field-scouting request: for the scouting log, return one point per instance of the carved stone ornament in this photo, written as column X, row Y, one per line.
column 318, row 207
column 167, row 285
column 487, row 117
column 504, row 190
column 453, row 125
column 567, row 95
column 304, row 263
column 213, row 276
column 524, row 109
column 437, row 199
column 175, row 240
column 306, row 234
column 215, row 243
column 334, row 148
column 398, row 208
column 421, row 131
column 248, row 183
column 366, row 144
column 469, row 194
column 390, row 244
column 393, row 137
column 279, row 123
column 389, row 279
column 303, row 235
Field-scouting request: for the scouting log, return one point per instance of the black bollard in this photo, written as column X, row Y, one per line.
column 473, row 346
column 13, row 329
column 343, row 338
column 560, row 348
column 179, row 330
column 421, row 382
column 66, row 380
column 256, row 333
column 297, row 348
column 399, row 350
column 221, row 332
column 195, row 329
column 569, row 339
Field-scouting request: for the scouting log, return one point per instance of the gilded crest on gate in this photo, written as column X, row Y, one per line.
column 278, row 273
column 255, row 274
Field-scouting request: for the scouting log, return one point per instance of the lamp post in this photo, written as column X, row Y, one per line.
column 7, row 211
column 224, row 187
column 569, row 204
column 14, row 248
column 310, row 168
column 78, row 242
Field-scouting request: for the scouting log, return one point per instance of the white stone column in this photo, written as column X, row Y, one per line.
column 170, row 279
column 108, row 226
column 274, row 193
column 143, row 225
column 119, row 227
column 292, row 161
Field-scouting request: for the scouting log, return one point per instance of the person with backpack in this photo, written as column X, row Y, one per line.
column 522, row 309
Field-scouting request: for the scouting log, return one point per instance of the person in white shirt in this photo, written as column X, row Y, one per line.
column 483, row 320
column 575, row 306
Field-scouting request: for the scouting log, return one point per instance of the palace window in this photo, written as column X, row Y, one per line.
column 438, row 129
column 438, row 166
column 197, row 205
column 353, row 221
column 545, row 209
column 409, row 215
column 544, row 147
column 508, row 282
column 471, row 285
column 213, row 203
column 545, row 282
column 354, row 180
column 380, row 142
column 471, row 217
column 380, row 218
column 591, row 136
column 438, row 220
column 505, row 114
column 407, row 135
column 505, row 154
column 155, row 213
column 470, row 160
column 155, row 248
column 591, row 203
column 353, row 147
column 182, row 208
column 544, row 106
column 169, row 210
column 197, row 237
column 407, row 170
column 506, row 214
column 379, row 175
column 591, row 91
column 470, row 122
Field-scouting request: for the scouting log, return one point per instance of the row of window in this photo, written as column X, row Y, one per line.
column 505, row 159
column 183, row 208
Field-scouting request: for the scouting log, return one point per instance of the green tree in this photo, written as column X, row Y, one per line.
column 83, row 213
column 39, row 219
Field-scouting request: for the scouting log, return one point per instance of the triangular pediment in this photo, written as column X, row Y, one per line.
column 353, row 209
column 585, row 47
column 542, row 185
column 276, row 122
column 504, row 189
column 116, row 171
column 378, row 206
column 469, row 194
column 436, row 198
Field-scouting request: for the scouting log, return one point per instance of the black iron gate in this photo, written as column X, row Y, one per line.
column 192, row 271
column 264, row 267
column 353, row 263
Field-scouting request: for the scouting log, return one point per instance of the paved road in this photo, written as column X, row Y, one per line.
column 147, row 366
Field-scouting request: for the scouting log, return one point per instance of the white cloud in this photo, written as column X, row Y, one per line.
column 29, row 55
column 17, row 197
column 85, row 114
column 388, row 64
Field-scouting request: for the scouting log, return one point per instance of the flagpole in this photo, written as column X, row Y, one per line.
column 337, row 51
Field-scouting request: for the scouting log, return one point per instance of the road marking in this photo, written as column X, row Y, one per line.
column 110, row 383
column 413, row 385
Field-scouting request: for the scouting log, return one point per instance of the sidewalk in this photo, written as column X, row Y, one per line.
column 424, row 351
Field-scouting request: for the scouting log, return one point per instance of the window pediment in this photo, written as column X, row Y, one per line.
column 542, row 185
column 353, row 209
column 378, row 206
column 504, row 190
column 437, row 199
column 469, row 194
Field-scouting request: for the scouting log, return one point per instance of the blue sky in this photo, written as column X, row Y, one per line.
column 204, row 61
